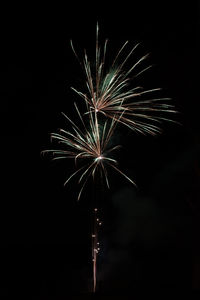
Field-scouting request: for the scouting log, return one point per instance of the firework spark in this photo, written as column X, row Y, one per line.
column 109, row 92
column 90, row 145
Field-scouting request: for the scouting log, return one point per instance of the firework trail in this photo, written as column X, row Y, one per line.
column 95, row 246
column 109, row 93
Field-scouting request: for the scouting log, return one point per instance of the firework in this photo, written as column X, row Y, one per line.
column 109, row 100
column 109, row 92
column 90, row 144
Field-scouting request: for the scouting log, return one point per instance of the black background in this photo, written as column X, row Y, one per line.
column 150, row 237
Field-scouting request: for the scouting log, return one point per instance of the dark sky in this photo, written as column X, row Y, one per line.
column 150, row 236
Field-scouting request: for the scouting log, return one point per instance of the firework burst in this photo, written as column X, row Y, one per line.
column 90, row 144
column 109, row 92
column 109, row 100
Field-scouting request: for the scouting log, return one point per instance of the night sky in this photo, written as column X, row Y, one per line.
column 150, row 235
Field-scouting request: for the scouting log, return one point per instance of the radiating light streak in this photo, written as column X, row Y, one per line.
column 88, row 144
column 111, row 93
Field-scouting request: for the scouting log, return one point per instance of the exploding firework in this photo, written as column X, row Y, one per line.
column 90, row 144
column 109, row 92
column 109, row 100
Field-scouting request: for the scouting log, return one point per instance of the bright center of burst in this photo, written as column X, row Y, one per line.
column 99, row 157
